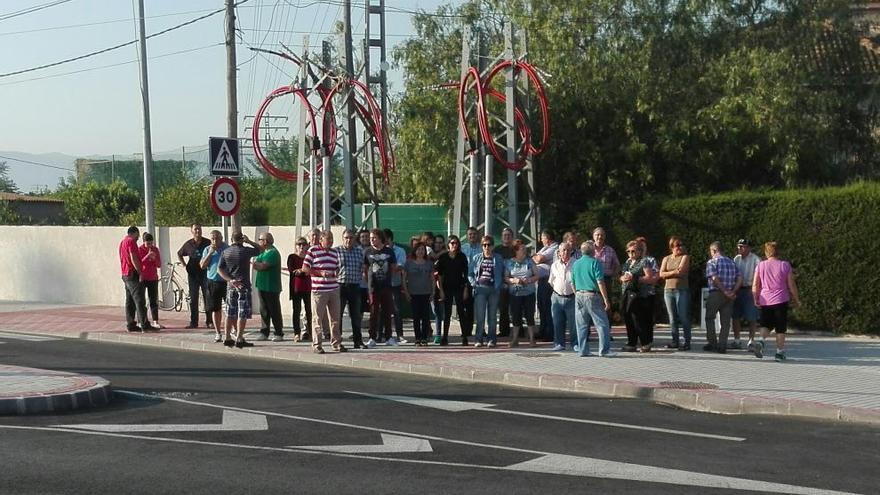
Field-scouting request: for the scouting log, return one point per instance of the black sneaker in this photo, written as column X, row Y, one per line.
column 243, row 343
column 780, row 357
column 628, row 348
column 229, row 343
column 444, row 341
column 672, row 345
column 759, row 349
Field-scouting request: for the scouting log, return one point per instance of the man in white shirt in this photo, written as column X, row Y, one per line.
column 543, row 259
column 744, row 308
column 562, row 303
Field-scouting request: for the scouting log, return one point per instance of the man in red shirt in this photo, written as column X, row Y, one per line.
column 132, row 275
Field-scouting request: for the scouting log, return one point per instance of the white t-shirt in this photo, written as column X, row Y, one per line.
column 746, row 267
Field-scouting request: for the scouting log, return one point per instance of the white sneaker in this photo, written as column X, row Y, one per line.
column 371, row 344
column 403, row 341
column 261, row 337
column 609, row 354
column 558, row 348
column 391, row 341
column 490, row 344
column 278, row 338
column 478, row 344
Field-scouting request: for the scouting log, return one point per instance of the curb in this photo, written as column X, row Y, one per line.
column 91, row 391
column 709, row 401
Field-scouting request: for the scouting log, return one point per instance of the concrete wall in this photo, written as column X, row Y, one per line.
column 80, row 265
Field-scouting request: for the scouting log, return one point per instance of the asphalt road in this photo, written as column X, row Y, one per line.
column 273, row 427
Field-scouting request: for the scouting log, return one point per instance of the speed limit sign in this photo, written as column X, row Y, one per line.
column 225, row 197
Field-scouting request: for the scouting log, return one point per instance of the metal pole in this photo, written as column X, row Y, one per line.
column 145, row 100
column 509, row 118
column 488, row 178
column 313, row 198
column 325, row 192
column 461, row 159
column 232, row 92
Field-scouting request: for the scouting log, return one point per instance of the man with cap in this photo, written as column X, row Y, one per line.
column 744, row 308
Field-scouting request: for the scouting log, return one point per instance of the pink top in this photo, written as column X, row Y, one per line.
column 773, row 275
column 151, row 266
column 127, row 246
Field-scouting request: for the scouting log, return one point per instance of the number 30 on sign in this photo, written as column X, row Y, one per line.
column 225, row 197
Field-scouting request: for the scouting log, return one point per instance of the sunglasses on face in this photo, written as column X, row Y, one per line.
column 487, row 245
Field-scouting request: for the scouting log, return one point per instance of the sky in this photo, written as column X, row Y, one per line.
column 93, row 107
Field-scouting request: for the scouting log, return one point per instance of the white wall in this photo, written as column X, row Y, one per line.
column 80, row 265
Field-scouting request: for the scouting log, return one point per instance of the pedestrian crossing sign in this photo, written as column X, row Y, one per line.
column 224, row 157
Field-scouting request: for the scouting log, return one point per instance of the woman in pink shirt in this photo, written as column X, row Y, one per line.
column 151, row 261
column 773, row 288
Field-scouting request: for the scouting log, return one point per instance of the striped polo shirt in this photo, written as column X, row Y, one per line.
column 324, row 260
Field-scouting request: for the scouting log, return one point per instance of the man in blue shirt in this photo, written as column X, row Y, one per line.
column 210, row 260
column 724, row 281
column 591, row 301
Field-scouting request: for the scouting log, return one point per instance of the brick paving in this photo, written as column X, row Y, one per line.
column 835, row 378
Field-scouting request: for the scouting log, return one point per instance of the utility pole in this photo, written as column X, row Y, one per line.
column 231, row 99
column 349, row 143
column 145, row 100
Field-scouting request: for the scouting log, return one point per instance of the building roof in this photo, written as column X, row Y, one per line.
column 5, row 196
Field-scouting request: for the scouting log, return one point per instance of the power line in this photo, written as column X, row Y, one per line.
column 31, row 10
column 37, row 163
column 116, row 47
column 89, row 69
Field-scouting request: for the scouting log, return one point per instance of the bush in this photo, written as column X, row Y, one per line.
column 827, row 235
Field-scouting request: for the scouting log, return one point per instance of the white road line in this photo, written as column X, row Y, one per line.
column 27, row 337
column 457, row 406
column 391, row 444
column 546, row 463
column 232, row 421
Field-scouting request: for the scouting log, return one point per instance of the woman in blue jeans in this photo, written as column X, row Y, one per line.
column 674, row 270
column 487, row 278
column 521, row 276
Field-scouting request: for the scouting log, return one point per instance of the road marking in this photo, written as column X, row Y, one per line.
column 457, row 406
column 27, row 337
column 546, row 463
column 391, row 444
column 232, row 421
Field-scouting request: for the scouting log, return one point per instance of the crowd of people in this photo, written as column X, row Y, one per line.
column 496, row 290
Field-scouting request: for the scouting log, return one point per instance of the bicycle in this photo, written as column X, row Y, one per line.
column 171, row 296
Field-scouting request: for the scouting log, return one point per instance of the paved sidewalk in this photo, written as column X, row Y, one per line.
column 832, row 378
column 36, row 391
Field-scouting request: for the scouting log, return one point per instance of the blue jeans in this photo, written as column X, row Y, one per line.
column 591, row 311
column 562, row 309
column 485, row 311
column 678, row 305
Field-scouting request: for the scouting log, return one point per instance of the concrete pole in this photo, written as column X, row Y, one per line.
column 488, row 206
column 232, row 95
column 325, row 192
column 313, row 188
column 145, row 100
column 473, row 206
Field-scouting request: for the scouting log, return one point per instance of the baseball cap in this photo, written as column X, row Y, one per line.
column 744, row 242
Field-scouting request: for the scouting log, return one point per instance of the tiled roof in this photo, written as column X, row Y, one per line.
column 5, row 196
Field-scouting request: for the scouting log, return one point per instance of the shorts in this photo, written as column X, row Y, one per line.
column 775, row 317
column 238, row 303
column 744, row 305
column 216, row 295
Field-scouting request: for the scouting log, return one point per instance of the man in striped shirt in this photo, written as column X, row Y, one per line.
column 351, row 272
column 724, row 281
column 322, row 265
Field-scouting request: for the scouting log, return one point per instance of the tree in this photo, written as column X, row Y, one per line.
column 652, row 97
column 97, row 204
column 6, row 182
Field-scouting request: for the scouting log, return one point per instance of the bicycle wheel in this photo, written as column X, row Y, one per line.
column 169, row 294
column 179, row 297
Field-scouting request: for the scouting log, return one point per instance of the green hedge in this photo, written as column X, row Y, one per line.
column 828, row 235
